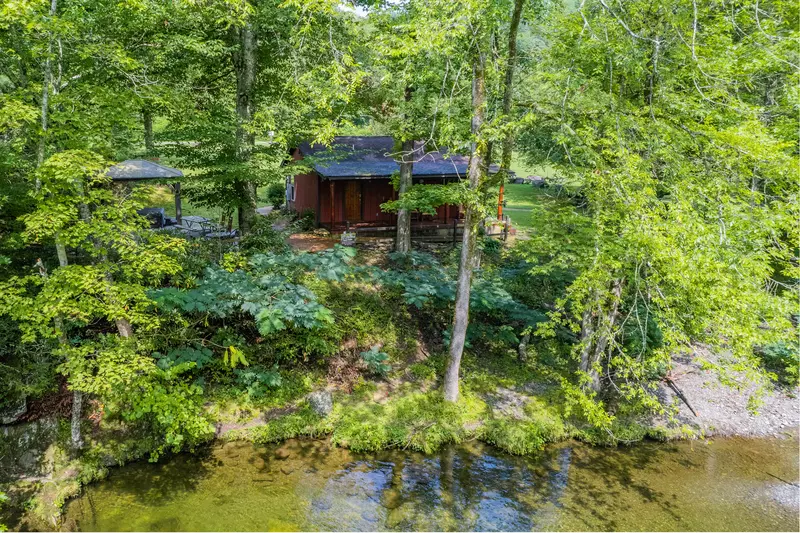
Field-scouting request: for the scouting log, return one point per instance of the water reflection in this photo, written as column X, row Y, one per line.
column 310, row 485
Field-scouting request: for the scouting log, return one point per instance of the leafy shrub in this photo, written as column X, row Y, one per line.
column 782, row 358
column 306, row 221
column 265, row 294
column 132, row 387
column 376, row 361
column 263, row 238
column 491, row 247
column 422, row 371
column 258, row 380
column 276, row 194
column 196, row 354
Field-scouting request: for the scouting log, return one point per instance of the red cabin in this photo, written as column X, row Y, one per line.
column 349, row 181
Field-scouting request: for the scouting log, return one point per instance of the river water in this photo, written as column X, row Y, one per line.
column 725, row 484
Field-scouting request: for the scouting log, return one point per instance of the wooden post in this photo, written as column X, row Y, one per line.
column 455, row 223
column 333, row 207
column 178, row 213
column 500, row 198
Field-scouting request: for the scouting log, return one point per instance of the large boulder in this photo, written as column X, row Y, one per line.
column 321, row 402
column 13, row 411
column 25, row 448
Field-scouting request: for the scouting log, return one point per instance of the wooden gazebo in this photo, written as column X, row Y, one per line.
column 134, row 170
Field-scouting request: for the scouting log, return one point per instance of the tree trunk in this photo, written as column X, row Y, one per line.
column 403, row 240
column 596, row 331
column 147, row 118
column 244, row 64
column 47, row 76
column 77, row 396
column 508, row 141
column 61, row 250
column 75, row 421
column 522, row 349
column 477, row 173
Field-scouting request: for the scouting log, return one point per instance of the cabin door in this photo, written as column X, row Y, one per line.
column 352, row 201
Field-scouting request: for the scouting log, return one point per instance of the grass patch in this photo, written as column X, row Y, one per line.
column 422, row 371
column 542, row 424
column 233, row 404
column 302, row 423
column 522, row 169
column 418, row 421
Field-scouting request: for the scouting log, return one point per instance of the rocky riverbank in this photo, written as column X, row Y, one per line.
column 520, row 419
column 724, row 410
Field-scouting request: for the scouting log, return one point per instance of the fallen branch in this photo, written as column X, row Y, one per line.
column 680, row 395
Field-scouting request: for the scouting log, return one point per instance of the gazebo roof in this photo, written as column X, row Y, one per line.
column 141, row 169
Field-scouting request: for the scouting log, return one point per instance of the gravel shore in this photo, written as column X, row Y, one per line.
column 722, row 410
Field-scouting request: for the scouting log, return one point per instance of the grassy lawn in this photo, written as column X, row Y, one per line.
column 523, row 170
column 521, row 196
column 524, row 202
column 521, row 203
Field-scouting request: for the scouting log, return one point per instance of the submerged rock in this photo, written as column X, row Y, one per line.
column 321, row 402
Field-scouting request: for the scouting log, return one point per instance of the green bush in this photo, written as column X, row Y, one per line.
column 306, row 221
column 491, row 247
column 302, row 423
column 262, row 238
column 376, row 361
column 783, row 359
column 276, row 194
column 258, row 381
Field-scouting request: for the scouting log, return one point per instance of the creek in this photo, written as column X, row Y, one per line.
column 720, row 484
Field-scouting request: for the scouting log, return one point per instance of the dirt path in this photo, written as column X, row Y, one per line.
column 308, row 242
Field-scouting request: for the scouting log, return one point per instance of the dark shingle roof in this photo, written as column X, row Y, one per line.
column 361, row 157
column 141, row 169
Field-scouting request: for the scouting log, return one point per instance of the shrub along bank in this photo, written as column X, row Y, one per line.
column 244, row 335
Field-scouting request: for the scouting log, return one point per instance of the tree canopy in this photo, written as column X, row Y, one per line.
column 669, row 131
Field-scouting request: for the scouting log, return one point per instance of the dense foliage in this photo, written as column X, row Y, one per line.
column 671, row 129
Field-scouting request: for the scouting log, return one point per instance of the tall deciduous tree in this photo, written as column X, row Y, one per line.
column 403, row 90
column 477, row 179
column 680, row 142
column 508, row 96
column 244, row 65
